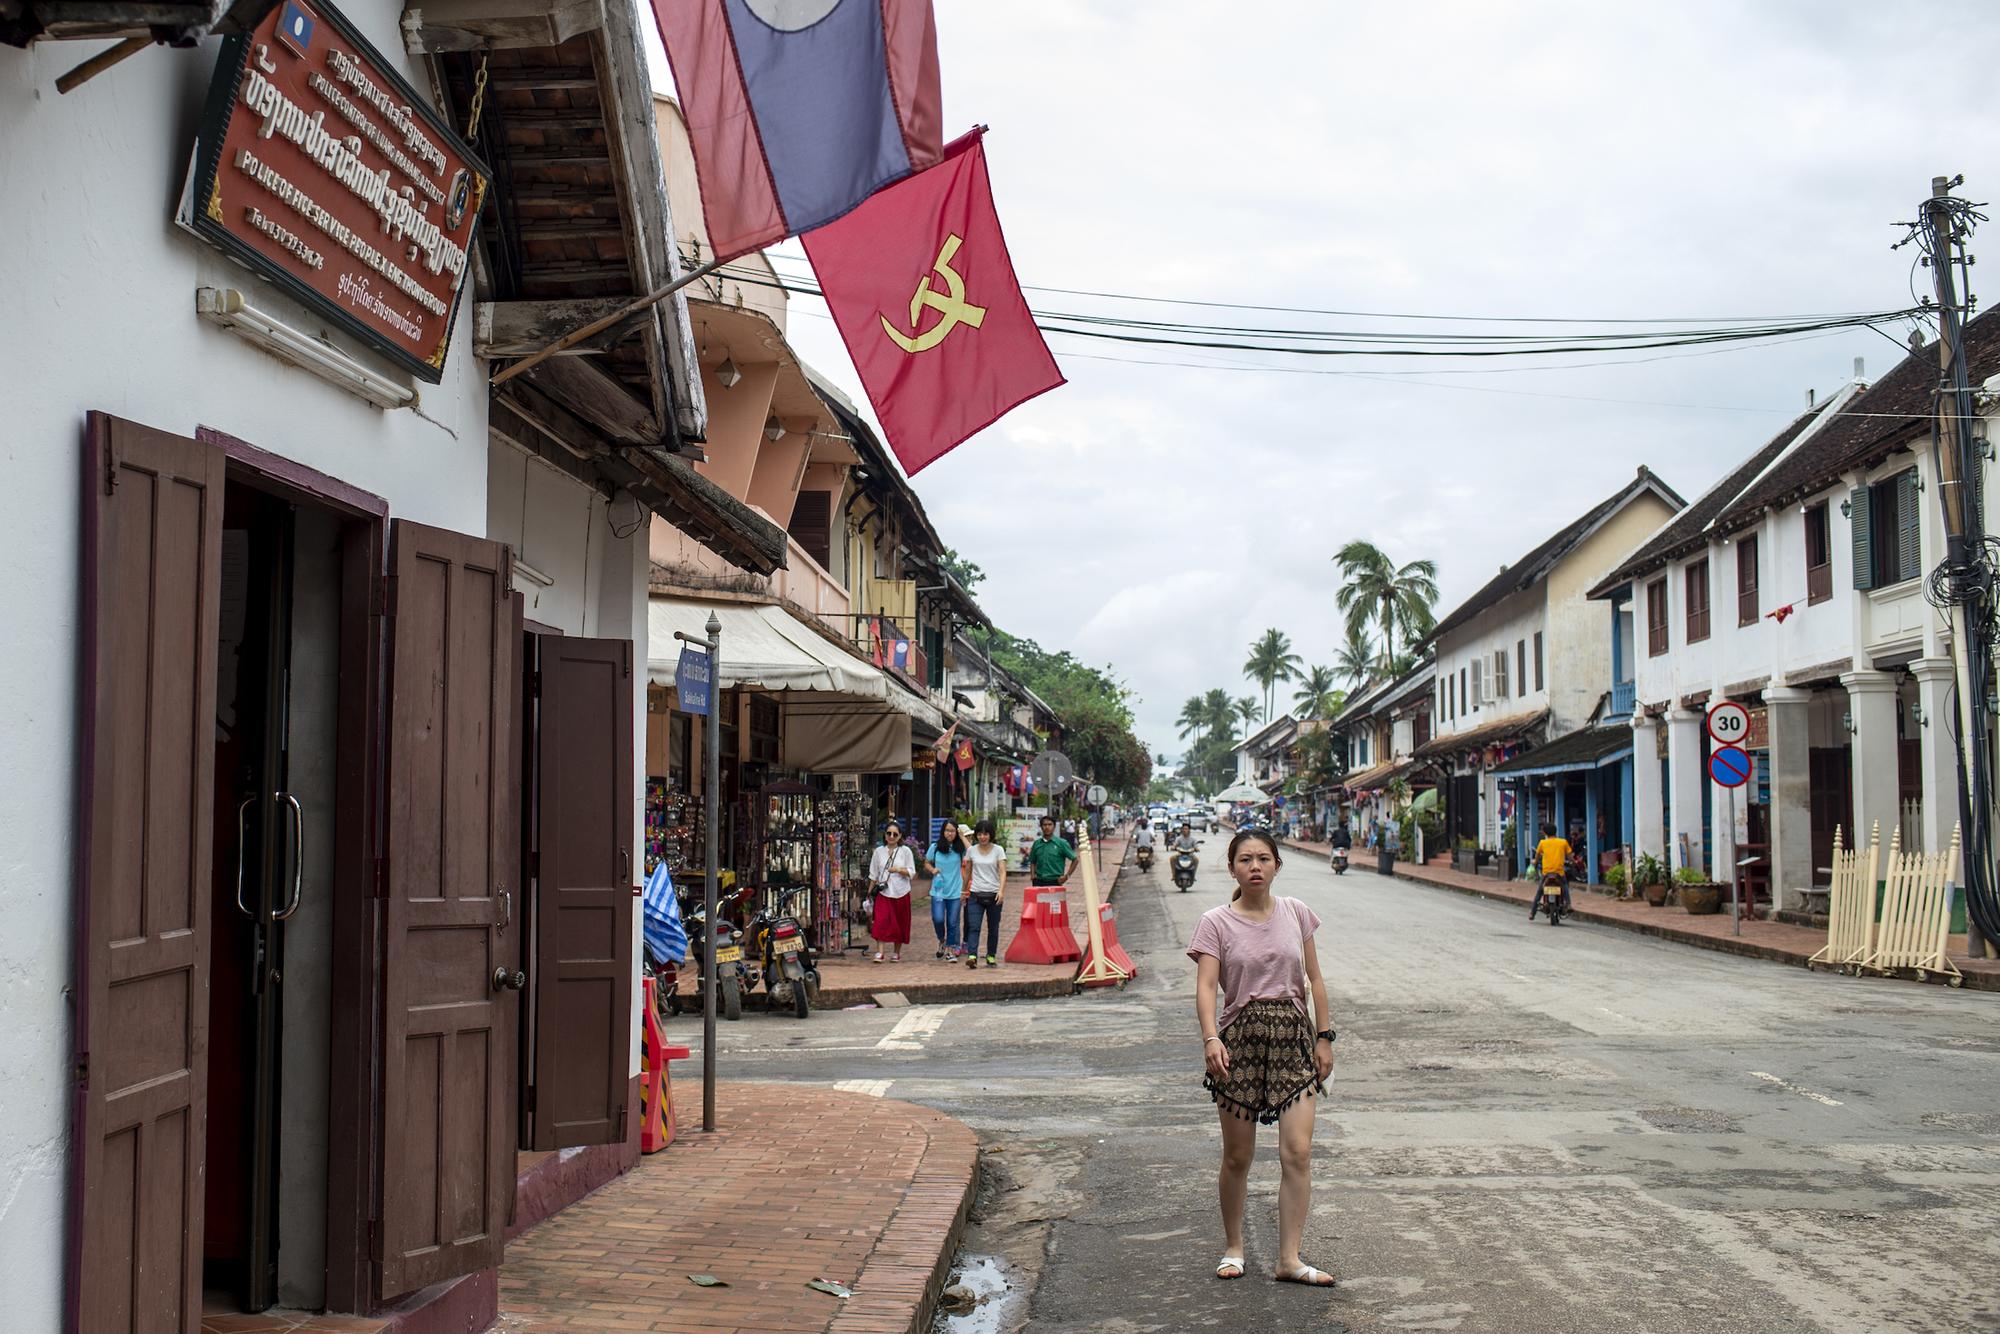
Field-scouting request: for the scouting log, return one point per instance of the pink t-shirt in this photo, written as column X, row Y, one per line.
column 1260, row 960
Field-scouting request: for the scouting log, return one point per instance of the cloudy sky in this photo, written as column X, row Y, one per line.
column 1557, row 160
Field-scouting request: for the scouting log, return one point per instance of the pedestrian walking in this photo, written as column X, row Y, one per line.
column 986, row 890
column 945, row 859
column 892, row 869
column 1265, row 1062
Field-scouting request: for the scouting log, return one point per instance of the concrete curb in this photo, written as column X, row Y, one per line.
column 923, row 1235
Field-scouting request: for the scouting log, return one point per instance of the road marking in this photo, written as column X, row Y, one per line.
column 874, row 1088
column 1521, row 977
column 1790, row 1087
column 1626, row 1019
column 915, row 1028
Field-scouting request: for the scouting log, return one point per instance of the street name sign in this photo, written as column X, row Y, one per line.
column 1729, row 766
column 694, row 678
column 1729, row 723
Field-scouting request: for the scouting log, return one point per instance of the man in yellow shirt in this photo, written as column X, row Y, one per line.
column 1552, row 858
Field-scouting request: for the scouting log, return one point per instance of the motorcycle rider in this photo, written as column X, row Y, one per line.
column 1143, row 840
column 1552, row 857
column 1185, row 842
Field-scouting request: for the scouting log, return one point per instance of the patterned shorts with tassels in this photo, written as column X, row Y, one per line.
column 1270, row 1062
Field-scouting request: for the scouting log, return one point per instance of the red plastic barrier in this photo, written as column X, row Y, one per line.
column 1092, row 973
column 1045, row 935
column 656, row 1103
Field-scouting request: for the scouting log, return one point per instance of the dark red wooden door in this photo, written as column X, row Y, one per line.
column 582, row 974
column 448, row 1046
column 152, row 575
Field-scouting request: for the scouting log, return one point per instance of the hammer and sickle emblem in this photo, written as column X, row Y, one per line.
column 952, row 307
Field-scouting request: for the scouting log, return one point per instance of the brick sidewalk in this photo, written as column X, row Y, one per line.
column 852, row 979
column 798, row 1183
column 1780, row 942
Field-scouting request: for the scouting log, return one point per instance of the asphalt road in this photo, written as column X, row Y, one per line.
column 1530, row 1129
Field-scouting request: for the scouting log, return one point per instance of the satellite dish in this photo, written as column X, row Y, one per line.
column 1052, row 771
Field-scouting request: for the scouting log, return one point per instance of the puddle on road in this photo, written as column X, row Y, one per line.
column 998, row 1293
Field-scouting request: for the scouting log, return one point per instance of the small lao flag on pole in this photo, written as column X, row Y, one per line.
column 919, row 281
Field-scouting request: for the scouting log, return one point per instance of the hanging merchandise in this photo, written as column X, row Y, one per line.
column 673, row 830
column 841, row 829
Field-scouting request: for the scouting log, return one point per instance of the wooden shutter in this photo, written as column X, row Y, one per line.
column 1860, row 528
column 581, row 983
column 1746, row 579
column 1909, row 547
column 811, row 525
column 448, row 1046
column 152, row 560
column 1478, row 682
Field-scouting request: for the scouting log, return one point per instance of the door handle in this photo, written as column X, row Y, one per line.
column 506, row 979
column 242, row 837
column 624, row 863
column 298, row 855
column 506, row 909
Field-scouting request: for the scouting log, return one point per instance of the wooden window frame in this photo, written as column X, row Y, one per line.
column 1695, row 576
column 1819, row 576
column 1539, row 678
column 1657, row 614
column 1747, row 607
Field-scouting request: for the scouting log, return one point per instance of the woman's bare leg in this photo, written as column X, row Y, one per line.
column 1295, row 1141
column 1239, row 1148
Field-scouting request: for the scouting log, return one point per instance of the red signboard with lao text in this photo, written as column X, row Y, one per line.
column 319, row 167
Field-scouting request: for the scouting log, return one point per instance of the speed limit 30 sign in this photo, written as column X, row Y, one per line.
column 1729, row 724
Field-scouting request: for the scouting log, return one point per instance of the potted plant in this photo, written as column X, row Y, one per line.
column 1510, row 834
column 1466, row 857
column 1699, row 895
column 1651, row 877
column 1616, row 879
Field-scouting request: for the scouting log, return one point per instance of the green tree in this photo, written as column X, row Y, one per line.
column 1094, row 708
column 1195, row 717
column 1394, row 597
column 1247, row 709
column 1316, row 690
column 968, row 573
column 1355, row 660
column 1271, row 661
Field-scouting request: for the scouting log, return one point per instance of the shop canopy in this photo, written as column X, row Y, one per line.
column 1585, row 749
column 842, row 714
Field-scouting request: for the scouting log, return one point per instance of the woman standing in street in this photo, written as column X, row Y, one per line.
column 891, row 870
column 1265, row 1062
column 986, row 890
column 946, row 861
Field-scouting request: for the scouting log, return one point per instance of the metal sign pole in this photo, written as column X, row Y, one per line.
column 1736, row 872
column 712, row 807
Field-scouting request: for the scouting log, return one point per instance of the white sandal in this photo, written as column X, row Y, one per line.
column 1306, row 1274
column 1230, row 1262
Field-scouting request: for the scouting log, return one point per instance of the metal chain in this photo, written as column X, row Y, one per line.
column 478, row 102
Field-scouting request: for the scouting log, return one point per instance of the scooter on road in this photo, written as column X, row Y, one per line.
column 1184, row 865
column 1340, row 861
column 1146, row 857
column 1549, row 899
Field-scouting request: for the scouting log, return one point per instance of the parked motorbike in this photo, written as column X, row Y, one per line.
column 1184, row 870
column 727, row 950
column 1340, row 861
column 1549, row 899
column 1146, row 858
column 784, row 956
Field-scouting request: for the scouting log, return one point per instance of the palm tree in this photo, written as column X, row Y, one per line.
column 1376, row 589
column 1271, row 661
column 1194, row 717
column 1355, row 660
column 1247, row 710
column 1315, row 689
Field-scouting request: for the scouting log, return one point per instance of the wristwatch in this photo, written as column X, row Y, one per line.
column 1325, row 1035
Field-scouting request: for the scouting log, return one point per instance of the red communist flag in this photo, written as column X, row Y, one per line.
column 920, row 284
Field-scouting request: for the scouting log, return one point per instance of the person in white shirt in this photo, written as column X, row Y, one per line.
column 891, row 870
column 986, row 889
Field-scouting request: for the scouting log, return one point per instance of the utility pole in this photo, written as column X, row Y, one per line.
column 1963, row 586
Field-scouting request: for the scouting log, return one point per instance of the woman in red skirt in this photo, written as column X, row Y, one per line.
column 892, row 870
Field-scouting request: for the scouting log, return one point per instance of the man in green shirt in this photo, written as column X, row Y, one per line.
column 1051, row 859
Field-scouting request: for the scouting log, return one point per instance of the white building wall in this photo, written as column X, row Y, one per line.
column 1514, row 620
column 99, row 286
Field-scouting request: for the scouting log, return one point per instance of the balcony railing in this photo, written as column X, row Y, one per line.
column 1621, row 700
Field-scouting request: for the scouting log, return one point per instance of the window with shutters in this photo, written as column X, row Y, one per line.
column 1746, row 579
column 1656, row 618
column 1886, row 544
column 1478, row 683
column 811, row 525
column 1521, row 664
column 1500, row 674
column 1461, row 692
column 1697, row 600
column 1538, row 660
column 1819, row 555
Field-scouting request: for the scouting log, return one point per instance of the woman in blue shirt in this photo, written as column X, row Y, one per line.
column 946, row 862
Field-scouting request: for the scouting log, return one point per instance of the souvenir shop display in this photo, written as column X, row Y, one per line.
column 843, row 841
column 673, row 829
column 786, row 836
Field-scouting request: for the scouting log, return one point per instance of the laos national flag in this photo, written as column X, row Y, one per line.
column 800, row 109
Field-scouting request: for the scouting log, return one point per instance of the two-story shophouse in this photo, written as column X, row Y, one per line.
column 1825, row 533
column 1380, row 731
column 1524, row 660
column 321, row 817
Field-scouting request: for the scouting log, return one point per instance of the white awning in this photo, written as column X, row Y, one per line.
column 764, row 647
